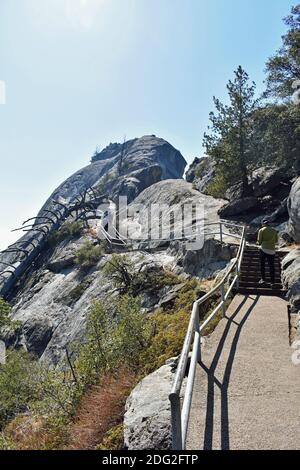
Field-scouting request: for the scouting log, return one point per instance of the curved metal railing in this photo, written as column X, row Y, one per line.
column 181, row 406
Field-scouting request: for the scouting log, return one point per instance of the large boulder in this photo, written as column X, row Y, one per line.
column 264, row 180
column 168, row 198
column 201, row 172
column 208, row 261
column 291, row 278
column 238, row 206
column 147, row 420
column 294, row 211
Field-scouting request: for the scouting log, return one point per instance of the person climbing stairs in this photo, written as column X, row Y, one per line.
column 251, row 274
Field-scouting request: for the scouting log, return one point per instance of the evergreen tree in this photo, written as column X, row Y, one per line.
column 229, row 139
column 283, row 69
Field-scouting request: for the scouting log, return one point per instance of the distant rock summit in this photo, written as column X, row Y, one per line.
column 125, row 169
column 118, row 170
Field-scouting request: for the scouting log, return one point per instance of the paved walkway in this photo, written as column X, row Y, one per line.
column 247, row 390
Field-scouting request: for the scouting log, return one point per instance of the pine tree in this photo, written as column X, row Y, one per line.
column 283, row 69
column 230, row 132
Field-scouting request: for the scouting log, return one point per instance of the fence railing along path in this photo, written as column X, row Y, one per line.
column 181, row 405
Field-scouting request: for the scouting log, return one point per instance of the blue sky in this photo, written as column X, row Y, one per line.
column 81, row 73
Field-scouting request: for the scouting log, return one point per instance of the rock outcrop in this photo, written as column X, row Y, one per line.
column 147, row 421
column 166, row 200
column 266, row 195
column 53, row 301
column 294, row 211
column 291, row 263
column 120, row 169
column 137, row 164
column 206, row 262
column 291, row 278
column 201, row 172
column 238, row 206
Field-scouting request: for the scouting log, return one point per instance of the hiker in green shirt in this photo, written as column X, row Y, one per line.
column 267, row 239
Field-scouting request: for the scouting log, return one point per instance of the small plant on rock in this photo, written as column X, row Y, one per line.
column 89, row 255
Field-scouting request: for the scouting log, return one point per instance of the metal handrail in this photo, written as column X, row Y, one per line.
column 180, row 414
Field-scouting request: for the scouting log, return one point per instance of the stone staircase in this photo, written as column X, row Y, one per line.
column 250, row 275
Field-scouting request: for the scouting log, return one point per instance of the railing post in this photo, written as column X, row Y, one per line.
column 238, row 275
column 221, row 232
column 223, row 300
column 176, row 422
column 197, row 329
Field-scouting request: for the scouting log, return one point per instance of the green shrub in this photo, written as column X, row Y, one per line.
column 26, row 385
column 6, row 443
column 89, row 255
column 18, row 385
column 5, row 320
column 67, row 230
column 115, row 335
column 217, row 187
column 169, row 329
column 132, row 280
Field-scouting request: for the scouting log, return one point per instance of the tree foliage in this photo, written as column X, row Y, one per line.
column 229, row 139
column 283, row 68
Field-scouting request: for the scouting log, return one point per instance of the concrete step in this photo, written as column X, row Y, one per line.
column 254, row 262
column 249, row 284
column 256, row 272
column 257, row 257
column 255, row 280
column 261, row 291
column 250, row 249
column 257, row 276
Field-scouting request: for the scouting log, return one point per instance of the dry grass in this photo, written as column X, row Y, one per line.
column 30, row 432
column 101, row 408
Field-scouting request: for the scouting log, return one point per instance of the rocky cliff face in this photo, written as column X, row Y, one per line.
column 291, row 263
column 120, row 169
column 294, row 211
column 138, row 163
column 201, row 172
column 53, row 298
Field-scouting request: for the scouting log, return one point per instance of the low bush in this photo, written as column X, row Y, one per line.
column 83, row 406
column 132, row 280
column 168, row 330
column 88, row 255
column 217, row 187
column 69, row 229
column 19, row 385
column 5, row 319
column 116, row 333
